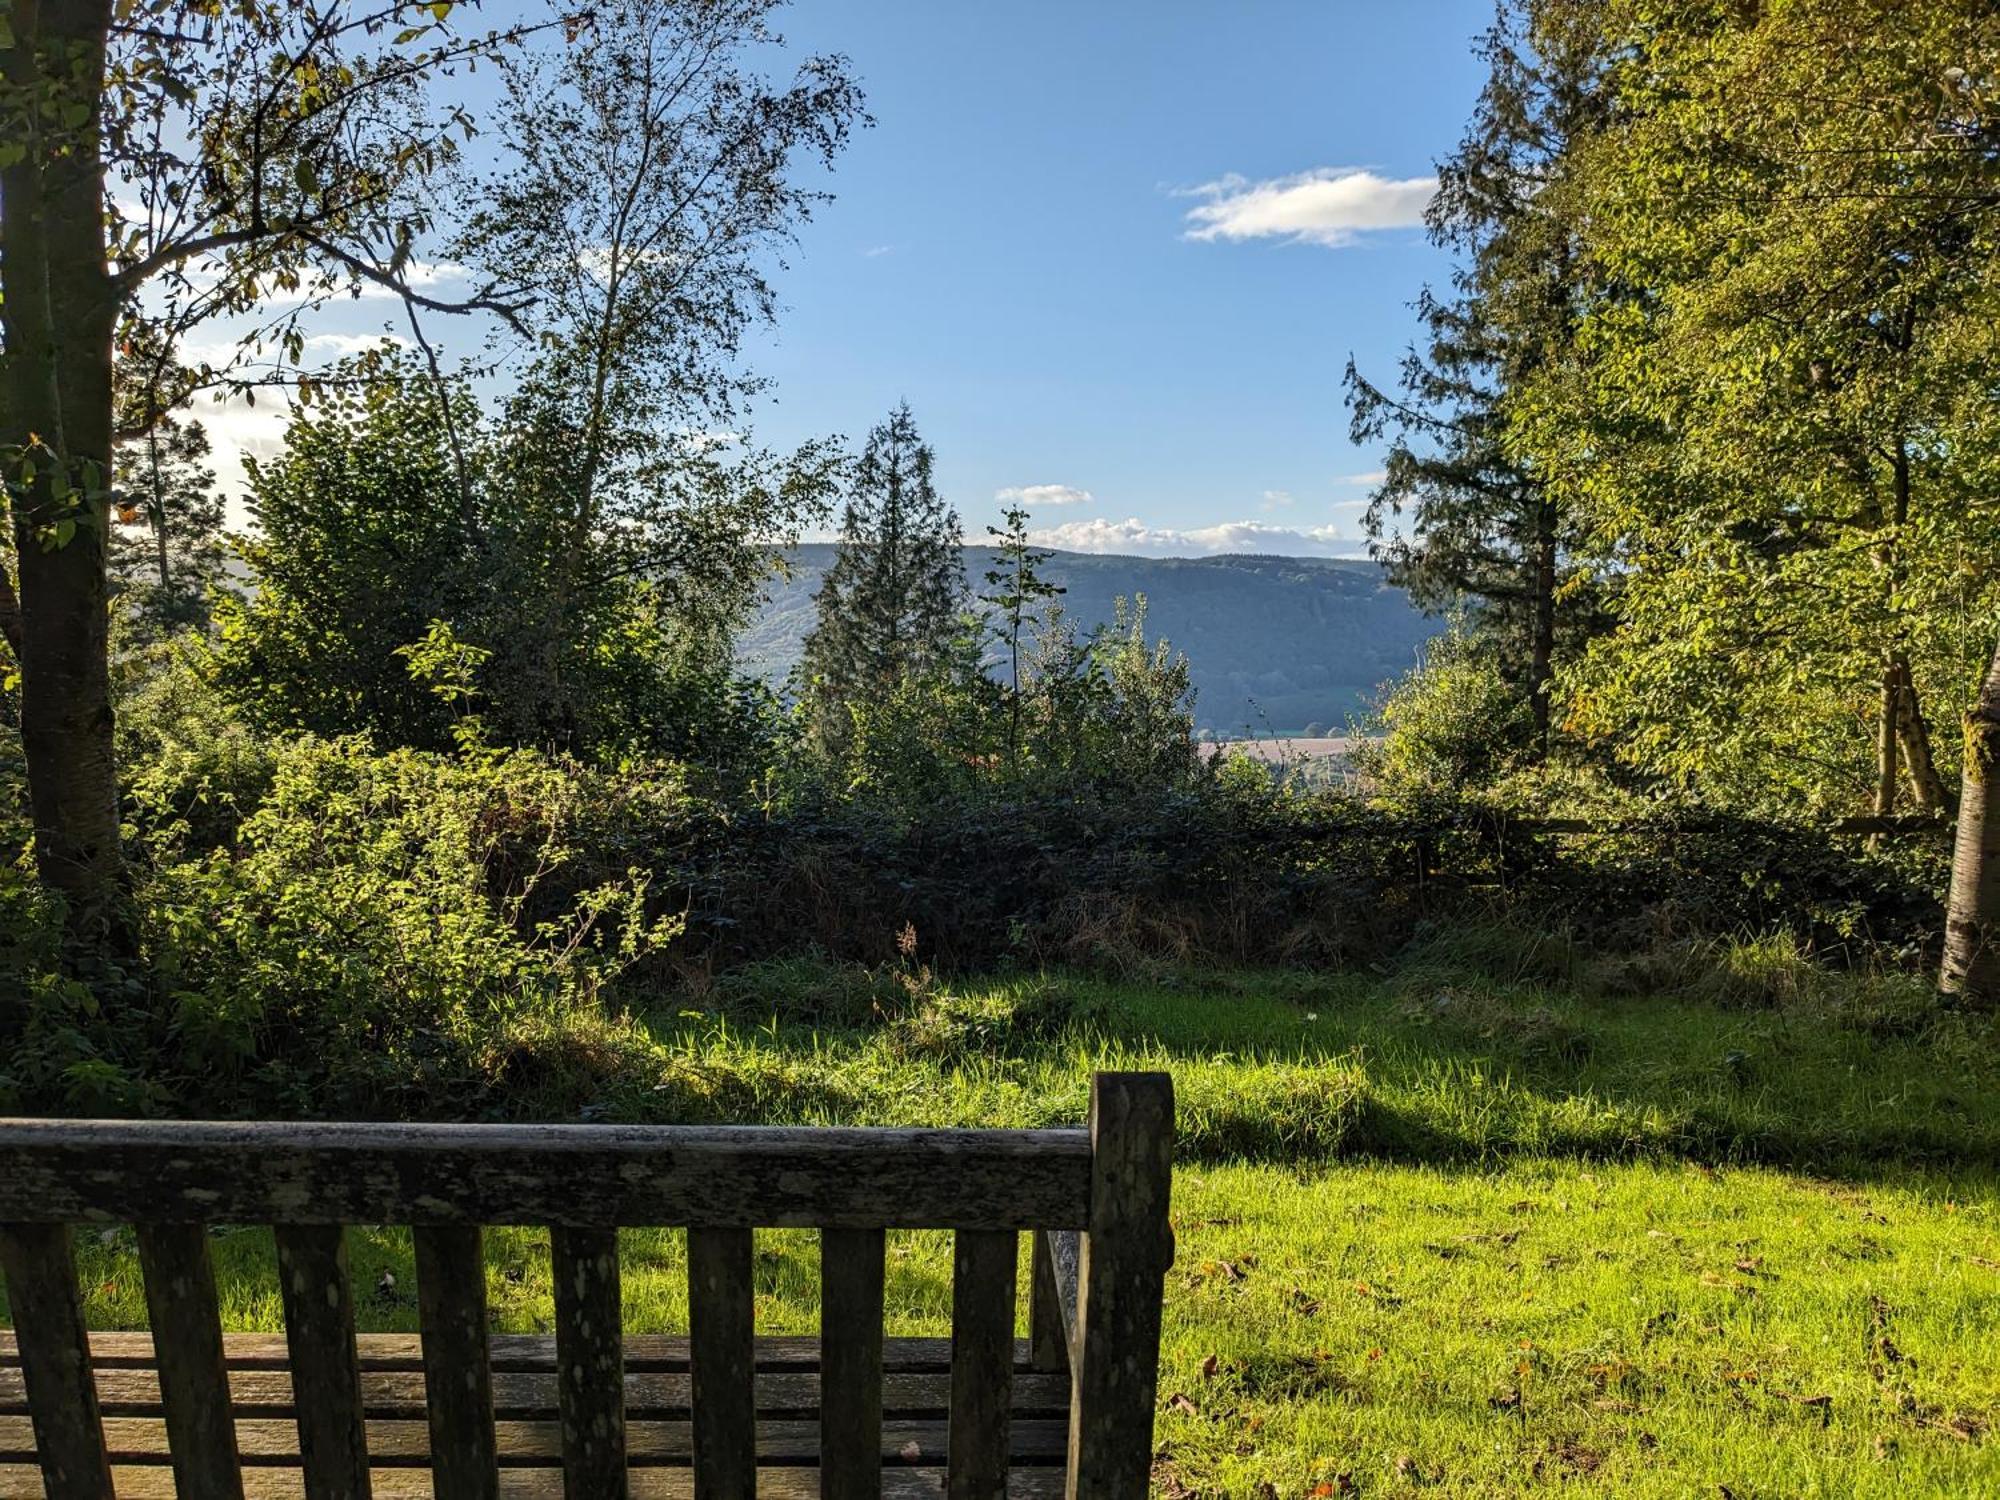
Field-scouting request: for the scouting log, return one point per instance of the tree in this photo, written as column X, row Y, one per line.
column 270, row 146
column 361, row 545
column 618, row 430
column 1970, row 968
column 889, row 607
column 1019, row 594
column 1485, row 524
column 166, row 493
column 1767, row 436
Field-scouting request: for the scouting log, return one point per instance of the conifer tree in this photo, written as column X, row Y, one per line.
column 1019, row 593
column 889, row 608
column 166, row 550
column 1481, row 525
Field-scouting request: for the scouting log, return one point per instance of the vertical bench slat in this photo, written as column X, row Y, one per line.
column 326, row 1374
column 458, row 1367
column 1048, row 1332
column 850, row 1364
column 723, row 1363
column 982, row 1362
column 187, row 1348
column 590, row 1351
column 1121, row 1277
column 55, row 1360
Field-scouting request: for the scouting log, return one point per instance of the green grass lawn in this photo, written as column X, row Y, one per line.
column 1438, row 1234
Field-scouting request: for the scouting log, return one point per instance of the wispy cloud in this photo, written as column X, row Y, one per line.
column 1369, row 480
column 1134, row 536
column 354, row 343
column 1330, row 206
column 1034, row 496
column 872, row 252
column 1279, row 499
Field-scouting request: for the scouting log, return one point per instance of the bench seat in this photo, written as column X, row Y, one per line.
column 916, row 1394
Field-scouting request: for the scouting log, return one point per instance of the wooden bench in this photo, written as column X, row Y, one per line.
column 457, row 1412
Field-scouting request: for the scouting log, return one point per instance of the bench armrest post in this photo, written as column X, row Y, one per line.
column 1126, row 1250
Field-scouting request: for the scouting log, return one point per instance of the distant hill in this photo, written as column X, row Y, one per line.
column 1276, row 644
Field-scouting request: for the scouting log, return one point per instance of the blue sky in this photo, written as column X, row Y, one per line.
column 1118, row 251
column 1011, row 250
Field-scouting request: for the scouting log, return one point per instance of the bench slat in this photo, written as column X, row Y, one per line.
column 60, row 1171
column 513, row 1352
column 850, row 1323
column 528, row 1394
column 1048, row 1330
column 24, row 1482
column 591, row 1361
column 319, row 1328
column 458, row 1368
column 982, row 1345
column 721, row 1329
column 193, row 1382
column 405, row 1441
column 40, row 1268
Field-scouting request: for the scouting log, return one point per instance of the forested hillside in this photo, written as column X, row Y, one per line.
column 1274, row 644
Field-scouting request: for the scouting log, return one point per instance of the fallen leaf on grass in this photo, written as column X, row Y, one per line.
column 1209, row 1366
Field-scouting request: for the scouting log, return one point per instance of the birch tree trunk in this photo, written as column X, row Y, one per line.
column 1913, row 734
column 1971, row 968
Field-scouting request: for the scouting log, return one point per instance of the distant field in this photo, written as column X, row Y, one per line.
column 1280, row 751
column 1437, row 1235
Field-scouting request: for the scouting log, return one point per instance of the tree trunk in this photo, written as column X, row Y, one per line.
column 59, row 312
column 1913, row 734
column 1886, row 768
column 1971, row 968
column 157, row 512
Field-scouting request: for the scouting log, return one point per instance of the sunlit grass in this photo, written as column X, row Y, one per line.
column 1437, row 1234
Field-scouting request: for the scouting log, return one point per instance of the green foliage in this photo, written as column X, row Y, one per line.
column 363, row 541
column 394, row 513
column 1454, row 722
column 1770, row 436
column 329, row 929
column 1460, row 517
column 166, row 551
column 1019, row 599
column 888, row 610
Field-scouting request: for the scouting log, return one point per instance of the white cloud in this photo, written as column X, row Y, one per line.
column 1326, row 206
column 354, row 343
column 874, row 252
column 237, row 430
column 1135, row 537
column 416, row 273
column 1369, row 480
column 1033, row 495
column 700, row 441
column 1278, row 499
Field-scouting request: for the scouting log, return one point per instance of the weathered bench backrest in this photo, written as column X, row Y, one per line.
column 1097, row 1198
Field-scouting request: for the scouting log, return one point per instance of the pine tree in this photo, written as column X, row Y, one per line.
column 166, row 551
column 1483, row 526
column 1019, row 592
column 889, row 608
